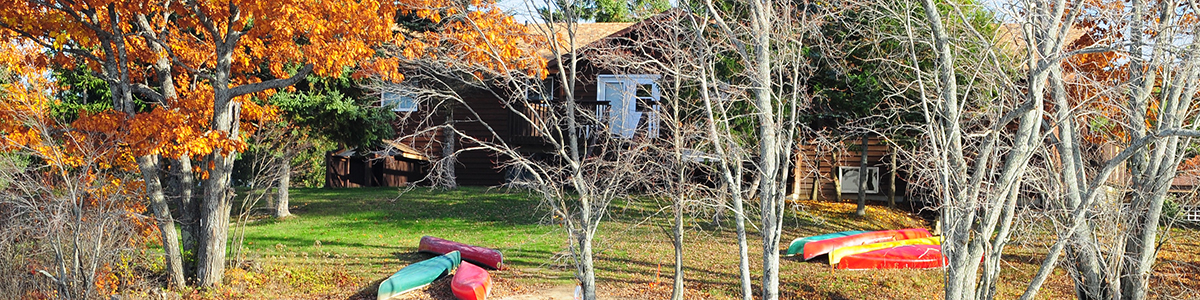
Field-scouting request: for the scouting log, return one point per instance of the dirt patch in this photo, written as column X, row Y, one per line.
column 501, row 290
column 565, row 292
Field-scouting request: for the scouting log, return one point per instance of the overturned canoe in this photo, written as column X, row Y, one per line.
column 471, row 282
column 812, row 249
column 797, row 245
column 839, row 253
column 418, row 275
column 902, row 257
column 479, row 255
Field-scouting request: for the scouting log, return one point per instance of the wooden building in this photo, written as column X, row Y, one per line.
column 819, row 168
column 423, row 128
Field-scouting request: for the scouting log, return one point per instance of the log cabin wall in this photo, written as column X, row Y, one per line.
column 472, row 168
column 485, row 168
column 816, row 168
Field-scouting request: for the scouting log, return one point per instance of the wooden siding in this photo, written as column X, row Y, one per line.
column 816, row 167
column 484, row 168
column 473, row 168
column 366, row 171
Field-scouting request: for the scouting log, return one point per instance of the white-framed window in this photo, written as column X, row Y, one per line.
column 399, row 101
column 633, row 102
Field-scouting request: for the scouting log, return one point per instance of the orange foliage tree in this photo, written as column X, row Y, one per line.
column 195, row 63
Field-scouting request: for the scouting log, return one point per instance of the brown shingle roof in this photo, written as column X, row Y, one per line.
column 1011, row 38
column 585, row 34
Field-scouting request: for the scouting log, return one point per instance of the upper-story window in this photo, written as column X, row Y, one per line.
column 398, row 100
column 544, row 90
column 633, row 103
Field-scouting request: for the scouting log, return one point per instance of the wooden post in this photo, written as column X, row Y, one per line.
column 816, row 184
column 892, row 183
column 796, row 172
column 862, row 177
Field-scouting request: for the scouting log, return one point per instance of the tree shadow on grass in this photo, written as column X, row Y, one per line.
column 467, row 204
column 310, row 242
column 368, row 292
column 693, row 274
column 822, row 259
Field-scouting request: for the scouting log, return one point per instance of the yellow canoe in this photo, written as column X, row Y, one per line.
column 837, row 254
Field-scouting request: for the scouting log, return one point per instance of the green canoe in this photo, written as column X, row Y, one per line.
column 797, row 245
column 418, row 275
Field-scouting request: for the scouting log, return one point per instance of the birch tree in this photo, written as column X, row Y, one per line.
column 1151, row 85
column 978, row 209
column 767, row 40
column 664, row 46
column 979, row 132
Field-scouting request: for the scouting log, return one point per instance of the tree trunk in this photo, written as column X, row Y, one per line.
column 862, row 179
column 189, row 212
column 1140, row 247
column 677, row 241
column 682, row 190
column 1082, row 250
column 166, row 223
column 449, row 143
column 743, row 246
column 729, row 166
column 588, row 282
column 285, row 179
column 768, row 149
column 218, row 194
column 214, row 222
column 586, row 267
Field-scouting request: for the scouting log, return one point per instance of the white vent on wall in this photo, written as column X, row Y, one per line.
column 848, row 176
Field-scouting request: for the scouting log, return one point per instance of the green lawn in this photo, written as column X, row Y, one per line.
column 367, row 234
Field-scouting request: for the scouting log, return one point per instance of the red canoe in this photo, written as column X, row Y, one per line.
column 903, row 257
column 479, row 255
column 471, row 282
column 814, row 248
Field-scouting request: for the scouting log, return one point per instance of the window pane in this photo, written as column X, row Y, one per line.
column 399, row 102
column 614, row 92
column 644, row 91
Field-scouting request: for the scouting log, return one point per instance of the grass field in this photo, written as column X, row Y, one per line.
column 343, row 242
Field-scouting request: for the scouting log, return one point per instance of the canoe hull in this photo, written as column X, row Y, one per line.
column 813, row 249
column 839, row 253
column 797, row 245
column 902, row 257
column 418, row 275
column 471, row 282
column 479, row 255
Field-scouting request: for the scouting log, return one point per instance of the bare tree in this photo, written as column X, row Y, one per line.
column 578, row 164
column 1160, row 58
column 265, row 165
column 968, row 107
column 664, row 46
column 989, row 127
column 766, row 38
column 65, row 216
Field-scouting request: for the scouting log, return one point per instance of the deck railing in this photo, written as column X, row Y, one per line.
column 533, row 121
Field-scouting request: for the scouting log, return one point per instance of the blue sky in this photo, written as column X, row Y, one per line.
column 521, row 10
